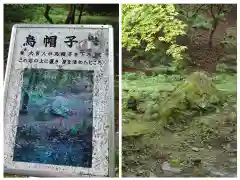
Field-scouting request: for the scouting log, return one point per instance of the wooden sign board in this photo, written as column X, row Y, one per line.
column 58, row 116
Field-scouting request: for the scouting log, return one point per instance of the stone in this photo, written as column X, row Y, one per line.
column 233, row 160
column 197, row 91
column 151, row 174
column 195, row 149
column 125, row 121
column 67, row 105
column 216, row 173
column 168, row 170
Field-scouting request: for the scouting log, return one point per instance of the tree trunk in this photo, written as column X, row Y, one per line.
column 71, row 13
column 80, row 13
column 24, row 108
column 214, row 26
column 210, row 43
column 46, row 14
column 36, row 80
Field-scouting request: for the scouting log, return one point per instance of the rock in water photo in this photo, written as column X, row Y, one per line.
column 55, row 118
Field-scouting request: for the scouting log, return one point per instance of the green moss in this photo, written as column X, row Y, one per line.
column 175, row 162
column 136, row 128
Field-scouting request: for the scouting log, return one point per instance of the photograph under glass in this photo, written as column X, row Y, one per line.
column 55, row 118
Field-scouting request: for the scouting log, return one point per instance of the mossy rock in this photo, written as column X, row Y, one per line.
column 196, row 93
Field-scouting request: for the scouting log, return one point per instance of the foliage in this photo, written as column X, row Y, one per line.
column 53, row 79
column 197, row 15
column 153, row 26
column 15, row 12
column 226, row 83
column 59, row 10
column 230, row 39
column 146, row 90
column 221, row 67
column 102, row 9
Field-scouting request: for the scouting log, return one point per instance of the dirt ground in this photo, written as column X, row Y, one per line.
column 206, row 58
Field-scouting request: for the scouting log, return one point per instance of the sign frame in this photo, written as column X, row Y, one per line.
column 109, row 117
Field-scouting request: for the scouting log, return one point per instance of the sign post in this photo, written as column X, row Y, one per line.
column 58, row 100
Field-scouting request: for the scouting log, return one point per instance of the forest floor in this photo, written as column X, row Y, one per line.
column 190, row 151
column 147, row 147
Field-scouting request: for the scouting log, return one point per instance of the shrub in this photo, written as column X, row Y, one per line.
column 150, row 27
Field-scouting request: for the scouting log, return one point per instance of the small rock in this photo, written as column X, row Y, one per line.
column 233, row 151
column 233, row 160
column 143, row 173
column 168, row 170
column 151, row 174
column 217, row 174
column 228, row 147
column 195, row 149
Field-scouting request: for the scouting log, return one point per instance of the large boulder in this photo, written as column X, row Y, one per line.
column 67, row 106
column 196, row 94
column 62, row 106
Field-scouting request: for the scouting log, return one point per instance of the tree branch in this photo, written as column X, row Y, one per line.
column 198, row 9
column 212, row 13
column 220, row 8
